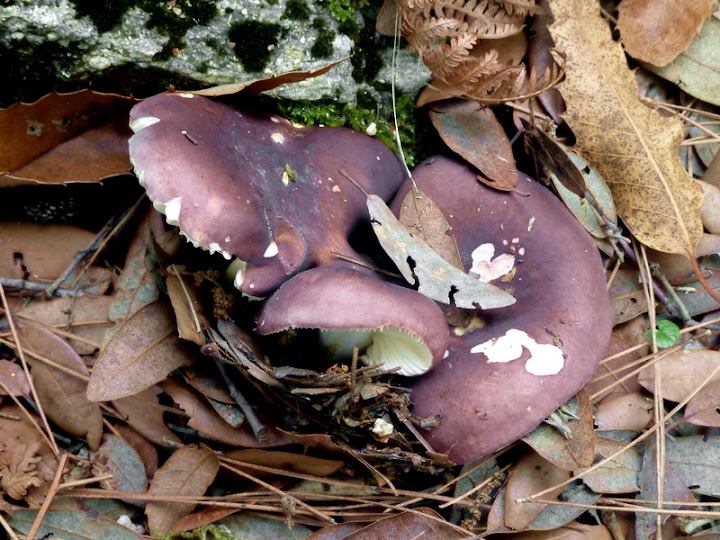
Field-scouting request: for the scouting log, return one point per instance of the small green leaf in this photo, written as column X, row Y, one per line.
column 667, row 334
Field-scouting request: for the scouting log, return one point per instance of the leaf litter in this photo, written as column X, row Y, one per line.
column 332, row 412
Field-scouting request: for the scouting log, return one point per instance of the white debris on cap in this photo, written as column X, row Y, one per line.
column 141, row 123
column 488, row 269
column 545, row 359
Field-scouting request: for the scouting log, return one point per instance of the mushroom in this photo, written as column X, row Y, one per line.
column 395, row 326
column 255, row 187
column 501, row 380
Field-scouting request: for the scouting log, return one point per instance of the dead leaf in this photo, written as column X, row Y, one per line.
column 577, row 449
column 188, row 472
column 619, row 475
column 39, row 252
column 259, row 86
column 437, row 278
column 629, row 144
column 530, row 475
column 425, row 220
column 63, row 396
column 143, row 413
column 143, row 350
column 631, row 411
column 656, row 32
column 571, row 531
column 408, row 525
column 633, row 331
column 287, row 461
column 207, row 421
column 70, row 314
column 188, row 309
column 473, row 132
column 704, row 408
column 627, row 299
column 117, row 457
column 14, row 378
column 339, row 531
column 17, row 467
column 144, row 448
column 696, row 70
column 76, row 137
column 710, row 210
column 611, row 371
column 681, row 373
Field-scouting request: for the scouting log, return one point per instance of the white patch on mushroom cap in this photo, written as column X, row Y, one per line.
column 486, row 269
column 172, row 211
column 545, row 359
column 214, row 247
column 185, row 95
column 277, row 137
column 141, row 123
column 382, row 428
column 271, row 250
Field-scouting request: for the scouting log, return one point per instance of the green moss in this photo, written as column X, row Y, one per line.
column 104, row 14
column 344, row 13
column 414, row 130
column 252, row 39
column 206, row 532
column 323, row 46
column 297, row 10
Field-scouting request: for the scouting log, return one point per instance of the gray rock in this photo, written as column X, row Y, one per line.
column 53, row 40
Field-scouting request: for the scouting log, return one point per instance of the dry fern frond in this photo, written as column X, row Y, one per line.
column 485, row 18
column 472, row 70
column 448, row 56
column 423, row 34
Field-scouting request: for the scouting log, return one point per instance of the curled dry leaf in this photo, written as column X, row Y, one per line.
column 530, row 475
column 45, row 251
column 143, row 412
column 76, row 137
column 656, row 32
column 143, row 350
column 630, row 145
column 681, row 373
column 473, row 132
column 63, row 396
column 189, row 472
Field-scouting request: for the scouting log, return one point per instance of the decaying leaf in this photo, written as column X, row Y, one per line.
column 63, row 396
column 143, row 350
column 620, row 474
column 630, row 411
column 696, row 70
column 425, row 220
column 14, row 378
column 572, row 449
column 473, row 132
column 39, row 252
column 191, row 320
column 530, row 475
column 627, row 299
column 681, row 372
column 703, row 408
column 76, row 137
column 119, row 459
column 690, row 458
column 611, row 371
column 656, row 32
column 420, row 523
column 189, row 471
column 437, row 279
column 630, row 145
column 143, row 412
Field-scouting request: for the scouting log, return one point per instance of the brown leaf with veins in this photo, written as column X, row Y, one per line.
column 188, row 472
column 14, row 378
column 656, row 31
column 62, row 395
column 629, row 144
column 76, row 137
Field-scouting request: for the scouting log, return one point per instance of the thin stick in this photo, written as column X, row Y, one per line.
column 26, row 369
column 48, row 498
column 257, row 426
column 5, row 525
column 708, row 514
column 35, row 286
column 396, row 41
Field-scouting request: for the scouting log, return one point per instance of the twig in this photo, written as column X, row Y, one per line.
column 35, row 286
column 257, row 426
column 5, row 525
column 48, row 499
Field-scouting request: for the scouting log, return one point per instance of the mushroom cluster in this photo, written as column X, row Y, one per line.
column 268, row 193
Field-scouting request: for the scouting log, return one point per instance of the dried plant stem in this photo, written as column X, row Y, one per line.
column 257, row 426
column 21, row 354
column 708, row 514
column 48, row 498
column 11, row 534
column 36, row 286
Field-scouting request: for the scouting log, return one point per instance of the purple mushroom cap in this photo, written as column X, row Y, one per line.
column 255, row 187
column 500, row 381
column 400, row 327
